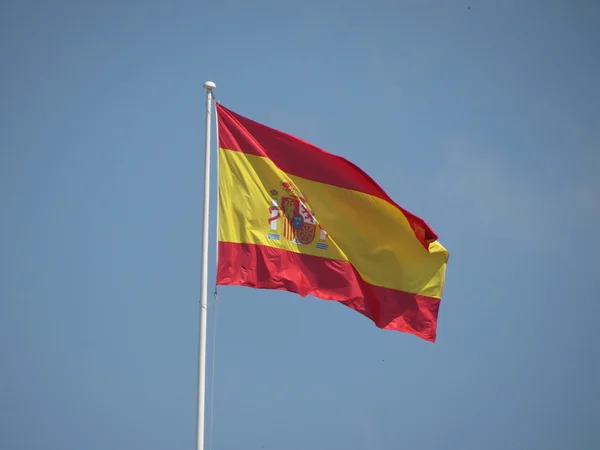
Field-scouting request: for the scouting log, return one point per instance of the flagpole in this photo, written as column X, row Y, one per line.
column 209, row 86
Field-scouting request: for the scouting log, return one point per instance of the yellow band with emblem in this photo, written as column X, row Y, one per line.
column 260, row 204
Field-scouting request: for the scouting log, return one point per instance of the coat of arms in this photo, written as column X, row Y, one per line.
column 298, row 223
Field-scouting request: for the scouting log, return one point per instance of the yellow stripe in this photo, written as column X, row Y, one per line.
column 370, row 233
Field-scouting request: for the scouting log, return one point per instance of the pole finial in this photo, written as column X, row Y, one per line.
column 209, row 86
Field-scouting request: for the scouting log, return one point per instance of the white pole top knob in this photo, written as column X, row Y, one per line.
column 209, row 86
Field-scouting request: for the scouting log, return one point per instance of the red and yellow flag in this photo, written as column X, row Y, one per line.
column 294, row 217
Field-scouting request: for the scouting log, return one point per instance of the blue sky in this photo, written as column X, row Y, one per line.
column 484, row 121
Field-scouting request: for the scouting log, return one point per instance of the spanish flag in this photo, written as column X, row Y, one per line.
column 294, row 217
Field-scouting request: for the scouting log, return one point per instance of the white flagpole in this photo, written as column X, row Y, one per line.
column 209, row 86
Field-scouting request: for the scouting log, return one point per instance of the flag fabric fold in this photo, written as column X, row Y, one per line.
column 294, row 217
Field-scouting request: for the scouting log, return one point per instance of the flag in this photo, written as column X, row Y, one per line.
column 294, row 217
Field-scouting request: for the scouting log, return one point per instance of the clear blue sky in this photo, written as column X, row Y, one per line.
column 484, row 121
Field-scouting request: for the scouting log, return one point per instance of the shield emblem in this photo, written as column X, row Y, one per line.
column 299, row 224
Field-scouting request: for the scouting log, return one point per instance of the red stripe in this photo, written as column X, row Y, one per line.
column 298, row 157
column 264, row 267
